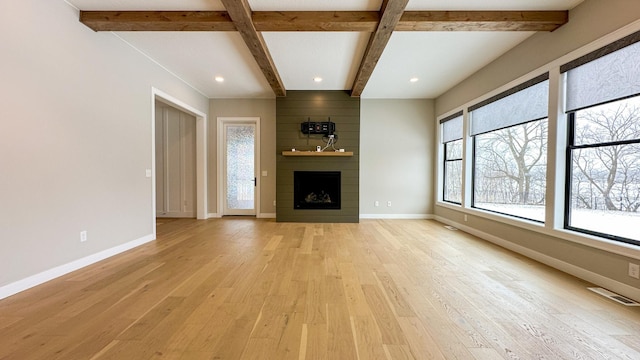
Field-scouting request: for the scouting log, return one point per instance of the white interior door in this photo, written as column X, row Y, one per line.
column 239, row 167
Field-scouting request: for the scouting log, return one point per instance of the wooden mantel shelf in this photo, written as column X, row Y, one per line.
column 317, row 153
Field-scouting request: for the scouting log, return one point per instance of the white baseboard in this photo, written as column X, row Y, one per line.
column 37, row 279
column 605, row 282
column 397, row 216
column 213, row 215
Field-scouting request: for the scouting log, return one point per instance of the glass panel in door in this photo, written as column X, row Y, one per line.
column 240, row 169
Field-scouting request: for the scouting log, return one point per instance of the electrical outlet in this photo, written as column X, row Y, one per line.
column 376, row 203
column 388, row 203
column 274, row 203
column 634, row 270
column 83, row 236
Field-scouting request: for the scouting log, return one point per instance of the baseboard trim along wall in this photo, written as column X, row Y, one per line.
column 605, row 282
column 37, row 279
column 397, row 216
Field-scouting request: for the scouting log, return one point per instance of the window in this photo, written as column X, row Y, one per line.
column 510, row 151
column 452, row 167
column 603, row 152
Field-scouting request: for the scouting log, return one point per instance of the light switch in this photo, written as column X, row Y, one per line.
column 264, row 173
column 148, row 172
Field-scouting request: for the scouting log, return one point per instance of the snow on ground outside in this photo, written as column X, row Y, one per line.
column 618, row 223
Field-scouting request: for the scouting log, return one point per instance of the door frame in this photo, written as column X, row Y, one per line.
column 221, row 121
column 201, row 152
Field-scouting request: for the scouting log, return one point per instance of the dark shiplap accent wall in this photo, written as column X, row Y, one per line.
column 296, row 108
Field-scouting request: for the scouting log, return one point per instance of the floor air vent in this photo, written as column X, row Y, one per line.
column 450, row 228
column 613, row 296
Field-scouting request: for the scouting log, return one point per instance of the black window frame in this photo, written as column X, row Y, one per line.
column 570, row 148
column 458, row 114
column 570, row 117
column 444, row 171
column 525, row 85
column 473, row 173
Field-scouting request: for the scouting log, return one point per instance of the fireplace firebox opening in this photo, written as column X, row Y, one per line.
column 316, row 190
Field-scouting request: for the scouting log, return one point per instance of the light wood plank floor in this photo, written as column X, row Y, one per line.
column 237, row 288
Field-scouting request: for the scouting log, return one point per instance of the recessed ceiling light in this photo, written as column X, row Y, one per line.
column 415, row 79
column 219, row 79
column 317, row 79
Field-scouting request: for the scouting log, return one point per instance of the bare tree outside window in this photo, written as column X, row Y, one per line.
column 510, row 170
column 605, row 169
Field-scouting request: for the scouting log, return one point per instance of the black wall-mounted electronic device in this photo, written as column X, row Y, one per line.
column 314, row 127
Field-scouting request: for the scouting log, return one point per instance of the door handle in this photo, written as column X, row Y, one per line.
column 255, row 181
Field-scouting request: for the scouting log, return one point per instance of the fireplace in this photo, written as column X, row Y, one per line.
column 302, row 106
column 316, row 190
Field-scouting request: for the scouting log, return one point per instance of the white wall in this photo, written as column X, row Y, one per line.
column 396, row 158
column 75, row 140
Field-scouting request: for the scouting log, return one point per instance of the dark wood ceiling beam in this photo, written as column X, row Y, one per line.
column 157, row 20
column 391, row 17
column 363, row 21
column 482, row 20
column 240, row 13
column 390, row 13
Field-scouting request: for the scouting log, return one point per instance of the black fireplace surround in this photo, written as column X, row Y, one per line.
column 316, row 190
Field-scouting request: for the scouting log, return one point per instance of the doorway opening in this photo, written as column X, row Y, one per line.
column 175, row 163
column 200, row 153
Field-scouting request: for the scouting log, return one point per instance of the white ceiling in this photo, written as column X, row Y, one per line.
column 438, row 59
